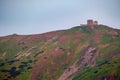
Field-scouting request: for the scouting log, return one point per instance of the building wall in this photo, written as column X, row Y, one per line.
column 89, row 22
column 95, row 22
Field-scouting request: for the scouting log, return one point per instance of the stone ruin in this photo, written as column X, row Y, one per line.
column 90, row 22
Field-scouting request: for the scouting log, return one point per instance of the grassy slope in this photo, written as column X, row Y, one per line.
column 56, row 51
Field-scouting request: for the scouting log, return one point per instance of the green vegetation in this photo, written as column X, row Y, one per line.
column 25, row 75
column 50, row 54
column 106, row 38
column 86, row 30
column 102, row 68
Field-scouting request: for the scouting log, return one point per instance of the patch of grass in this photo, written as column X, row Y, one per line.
column 46, row 77
column 106, row 38
column 87, row 31
column 102, row 28
column 24, row 75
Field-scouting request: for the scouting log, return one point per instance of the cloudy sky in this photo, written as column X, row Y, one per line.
column 39, row 16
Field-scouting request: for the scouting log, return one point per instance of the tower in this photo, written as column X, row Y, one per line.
column 90, row 22
column 95, row 22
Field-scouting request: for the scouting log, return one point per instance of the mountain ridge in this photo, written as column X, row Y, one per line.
column 54, row 31
column 78, row 53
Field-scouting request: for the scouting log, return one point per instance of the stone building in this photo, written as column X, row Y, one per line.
column 90, row 22
column 95, row 22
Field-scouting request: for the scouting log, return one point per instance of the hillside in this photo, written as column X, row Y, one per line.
column 79, row 53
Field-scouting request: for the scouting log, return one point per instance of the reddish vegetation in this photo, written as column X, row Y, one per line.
column 108, row 77
column 1, row 38
column 5, row 38
column 96, row 37
column 79, row 35
column 111, row 54
column 32, row 37
column 18, row 38
column 57, row 53
column 70, row 58
column 39, row 67
column 49, row 35
column 63, row 39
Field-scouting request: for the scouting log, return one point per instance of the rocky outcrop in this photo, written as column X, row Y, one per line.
column 3, row 55
column 89, row 58
column 24, row 53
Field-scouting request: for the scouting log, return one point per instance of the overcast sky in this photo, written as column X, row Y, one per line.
column 39, row 16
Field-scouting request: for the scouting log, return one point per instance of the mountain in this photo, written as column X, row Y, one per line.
column 80, row 53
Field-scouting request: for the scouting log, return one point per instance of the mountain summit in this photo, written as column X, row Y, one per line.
column 86, row 52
